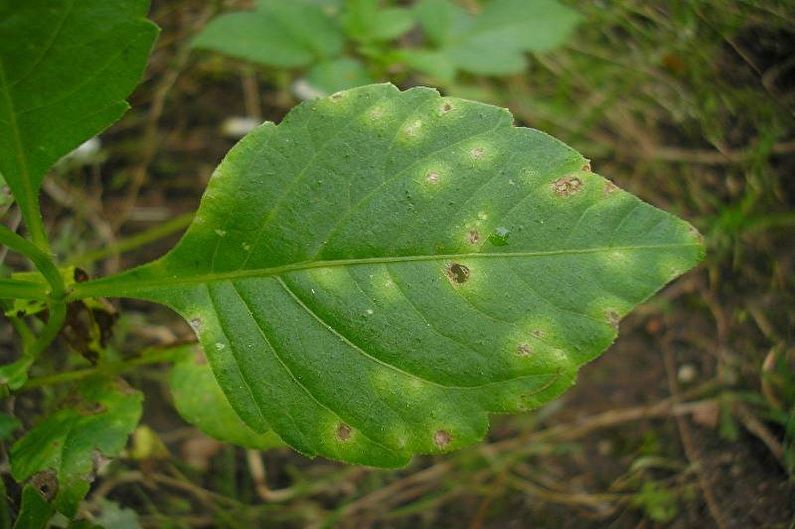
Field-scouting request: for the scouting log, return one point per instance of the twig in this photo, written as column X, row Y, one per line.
column 151, row 130
column 154, row 357
column 691, row 452
column 135, row 241
column 753, row 425
column 87, row 207
column 257, row 469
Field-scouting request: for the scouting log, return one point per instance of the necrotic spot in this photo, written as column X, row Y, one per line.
column 566, row 186
column 524, row 349
column 442, row 438
column 457, row 273
column 344, row 432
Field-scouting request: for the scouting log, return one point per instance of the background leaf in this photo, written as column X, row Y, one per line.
column 365, row 21
column 342, row 278
column 277, row 33
column 200, row 401
column 66, row 67
column 495, row 41
column 7, row 426
column 68, row 441
column 340, row 74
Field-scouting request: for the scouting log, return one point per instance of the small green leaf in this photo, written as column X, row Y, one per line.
column 433, row 63
column 339, row 74
column 278, row 33
column 340, row 278
column 35, row 511
column 15, row 374
column 365, row 21
column 69, row 441
column 200, row 401
column 440, row 20
column 495, row 42
column 113, row 516
column 66, row 67
column 7, row 426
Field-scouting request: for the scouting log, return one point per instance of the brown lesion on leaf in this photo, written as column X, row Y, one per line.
column 538, row 333
column 199, row 359
column 613, row 318
column 337, row 97
column 477, row 153
column 697, row 236
column 442, row 438
column 344, row 432
column 586, row 168
column 473, row 237
column 446, row 107
column 524, row 349
column 457, row 273
column 432, row 177
column 46, row 482
column 610, row 188
column 566, row 186
column 91, row 408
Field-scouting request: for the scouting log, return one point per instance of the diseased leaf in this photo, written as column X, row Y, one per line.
column 495, row 41
column 67, row 443
column 66, row 67
column 278, row 33
column 34, row 512
column 200, row 401
column 375, row 275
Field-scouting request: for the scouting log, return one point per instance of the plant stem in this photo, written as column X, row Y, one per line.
column 137, row 240
column 154, row 357
column 18, row 289
column 51, row 329
column 41, row 260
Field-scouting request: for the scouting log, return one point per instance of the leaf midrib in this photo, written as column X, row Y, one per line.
column 127, row 285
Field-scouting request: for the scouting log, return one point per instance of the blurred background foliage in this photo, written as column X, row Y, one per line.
column 687, row 421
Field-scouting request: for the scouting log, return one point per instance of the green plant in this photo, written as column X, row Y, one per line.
column 343, row 44
column 369, row 279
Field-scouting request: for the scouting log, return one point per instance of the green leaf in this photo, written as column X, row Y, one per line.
column 365, row 21
column 7, row 426
column 495, row 42
column 433, row 63
column 113, row 516
column 277, row 33
column 340, row 276
column 441, row 19
column 35, row 511
column 339, row 74
column 66, row 67
column 68, row 442
column 200, row 401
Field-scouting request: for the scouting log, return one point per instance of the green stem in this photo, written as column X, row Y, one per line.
column 136, row 241
column 19, row 326
column 51, row 329
column 43, row 262
column 18, row 289
column 155, row 357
